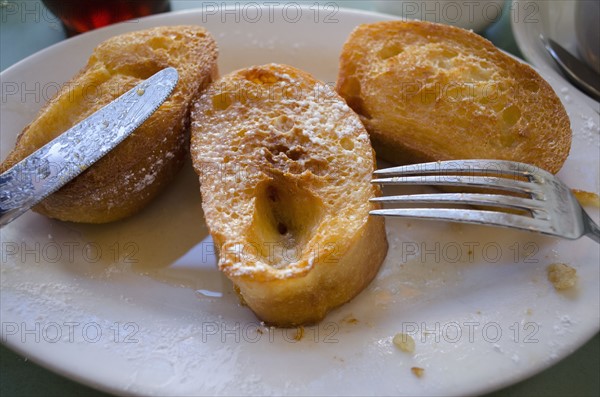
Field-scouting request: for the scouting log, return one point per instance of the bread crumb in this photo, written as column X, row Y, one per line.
column 404, row 342
column 299, row 333
column 350, row 319
column 562, row 276
column 417, row 371
column 586, row 199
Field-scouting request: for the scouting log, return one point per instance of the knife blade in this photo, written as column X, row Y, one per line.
column 53, row 165
column 580, row 74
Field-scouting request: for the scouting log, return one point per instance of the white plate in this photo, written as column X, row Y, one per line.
column 554, row 19
column 116, row 306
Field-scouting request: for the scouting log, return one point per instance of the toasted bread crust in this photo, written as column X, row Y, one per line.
column 429, row 92
column 284, row 168
column 128, row 177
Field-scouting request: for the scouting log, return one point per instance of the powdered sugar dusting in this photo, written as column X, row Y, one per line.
column 291, row 125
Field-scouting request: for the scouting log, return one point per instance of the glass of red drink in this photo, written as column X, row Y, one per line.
column 78, row 16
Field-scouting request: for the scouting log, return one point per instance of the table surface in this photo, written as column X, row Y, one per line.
column 22, row 34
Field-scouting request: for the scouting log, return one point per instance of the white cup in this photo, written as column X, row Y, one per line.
column 467, row 14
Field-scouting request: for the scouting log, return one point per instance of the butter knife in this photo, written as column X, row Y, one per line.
column 580, row 74
column 53, row 165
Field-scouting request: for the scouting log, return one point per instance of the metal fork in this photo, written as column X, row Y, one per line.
column 549, row 206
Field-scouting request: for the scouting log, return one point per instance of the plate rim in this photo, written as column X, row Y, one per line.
column 89, row 381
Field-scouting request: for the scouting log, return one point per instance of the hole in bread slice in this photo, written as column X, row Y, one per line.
column 221, row 101
column 511, row 115
column 285, row 216
column 390, row 50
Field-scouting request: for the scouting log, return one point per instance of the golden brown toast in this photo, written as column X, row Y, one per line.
column 429, row 92
column 284, row 167
column 128, row 177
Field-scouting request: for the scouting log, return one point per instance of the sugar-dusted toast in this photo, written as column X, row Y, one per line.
column 128, row 177
column 284, row 167
column 428, row 92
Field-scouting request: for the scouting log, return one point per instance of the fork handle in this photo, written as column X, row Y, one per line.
column 591, row 229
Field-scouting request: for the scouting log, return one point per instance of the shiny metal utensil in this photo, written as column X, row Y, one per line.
column 578, row 72
column 53, row 165
column 550, row 206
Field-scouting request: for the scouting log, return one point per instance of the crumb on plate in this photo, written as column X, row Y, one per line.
column 404, row 342
column 587, row 199
column 562, row 276
column 350, row 319
column 299, row 333
column 417, row 371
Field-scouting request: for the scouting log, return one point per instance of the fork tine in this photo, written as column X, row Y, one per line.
column 554, row 209
column 470, row 216
column 495, row 200
column 464, row 180
column 487, row 167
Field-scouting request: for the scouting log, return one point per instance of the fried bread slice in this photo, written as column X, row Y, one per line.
column 128, row 177
column 429, row 92
column 285, row 168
